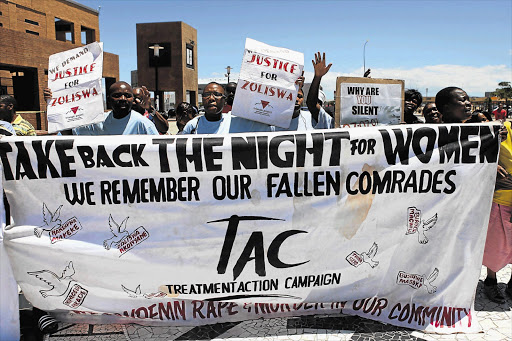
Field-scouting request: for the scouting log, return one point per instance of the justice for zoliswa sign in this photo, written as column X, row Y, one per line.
column 266, row 89
column 74, row 77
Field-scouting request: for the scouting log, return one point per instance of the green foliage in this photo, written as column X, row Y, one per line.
column 504, row 91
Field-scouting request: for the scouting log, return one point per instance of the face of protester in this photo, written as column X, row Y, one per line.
column 482, row 117
column 458, row 109
column 230, row 93
column 121, row 99
column 410, row 105
column 213, row 101
column 431, row 114
column 298, row 103
column 6, row 112
column 182, row 120
column 139, row 102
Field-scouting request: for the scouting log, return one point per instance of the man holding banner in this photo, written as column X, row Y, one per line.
column 215, row 122
column 121, row 120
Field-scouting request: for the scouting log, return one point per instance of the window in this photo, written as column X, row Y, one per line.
column 88, row 35
column 32, row 22
column 1, row 24
column 190, row 56
column 32, row 32
column 164, row 54
column 64, row 30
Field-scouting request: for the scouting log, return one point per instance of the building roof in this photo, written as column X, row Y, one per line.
column 82, row 6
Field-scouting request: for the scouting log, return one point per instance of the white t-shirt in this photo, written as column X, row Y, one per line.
column 228, row 124
column 306, row 122
column 132, row 124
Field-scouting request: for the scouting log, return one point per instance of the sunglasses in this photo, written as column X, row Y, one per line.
column 215, row 94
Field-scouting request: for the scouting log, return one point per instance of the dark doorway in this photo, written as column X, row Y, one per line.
column 25, row 87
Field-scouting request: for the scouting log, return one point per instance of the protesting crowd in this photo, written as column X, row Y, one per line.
column 133, row 114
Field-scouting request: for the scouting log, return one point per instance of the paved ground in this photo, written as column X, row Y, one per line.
column 495, row 319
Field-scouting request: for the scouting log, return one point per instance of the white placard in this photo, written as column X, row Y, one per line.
column 266, row 89
column 74, row 76
column 367, row 102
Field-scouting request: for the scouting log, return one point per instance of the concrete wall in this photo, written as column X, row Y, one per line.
column 178, row 77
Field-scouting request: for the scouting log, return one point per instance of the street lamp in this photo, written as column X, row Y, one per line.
column 229, row 72
column 156, row 53
column 364, row 57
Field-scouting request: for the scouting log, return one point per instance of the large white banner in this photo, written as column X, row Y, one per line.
column 368, row 102
column 384, row 222
column 74, row 76
column 266, row 89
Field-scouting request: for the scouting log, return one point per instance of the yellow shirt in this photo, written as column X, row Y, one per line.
column 23, row 127
column 504, row 197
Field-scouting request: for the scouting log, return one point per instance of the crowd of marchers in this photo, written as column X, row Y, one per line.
column 132, row 113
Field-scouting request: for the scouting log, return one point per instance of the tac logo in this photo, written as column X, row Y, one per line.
column 254, row 245
column 263, row 108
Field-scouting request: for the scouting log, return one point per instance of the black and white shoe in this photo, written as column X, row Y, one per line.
column 47, row 324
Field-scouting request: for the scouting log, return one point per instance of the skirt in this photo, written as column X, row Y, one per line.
column 498, row 245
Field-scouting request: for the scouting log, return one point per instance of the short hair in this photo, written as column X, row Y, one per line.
column 428, row 103
column 411, row 94
column 8, row 99
column 120, row 82
column 222, row 86
column 444, row 96
column 185, row 107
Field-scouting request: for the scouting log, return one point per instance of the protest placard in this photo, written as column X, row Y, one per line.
column 366, row 102
column 74, row 77
column 243, row 226
column 266, row 89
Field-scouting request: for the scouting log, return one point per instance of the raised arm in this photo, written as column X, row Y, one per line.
column 320, row 70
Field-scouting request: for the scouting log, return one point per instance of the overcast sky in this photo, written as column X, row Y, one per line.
column 429, row 44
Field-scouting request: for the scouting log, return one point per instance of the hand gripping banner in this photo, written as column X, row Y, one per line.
column 388, row 223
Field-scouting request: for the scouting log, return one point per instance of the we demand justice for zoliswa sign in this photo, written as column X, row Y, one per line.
column 74, row 77
column 206, row 229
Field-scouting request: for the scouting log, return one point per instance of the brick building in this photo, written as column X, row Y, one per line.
column 31, row 31
column 177, row 60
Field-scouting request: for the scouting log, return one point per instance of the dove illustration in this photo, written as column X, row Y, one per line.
column 428, row 281
column 58, row 285
column 118, row 231
column 425, row 226
column 50, row 221
column 132, row 293
column 368, row 256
